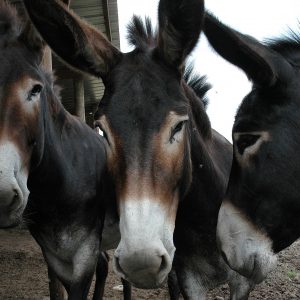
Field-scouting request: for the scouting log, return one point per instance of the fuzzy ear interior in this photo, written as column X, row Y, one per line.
column 79, row 44
column 32, row 38
column 262, row 65
column 180, row 24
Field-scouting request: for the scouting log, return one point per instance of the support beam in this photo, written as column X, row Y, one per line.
column 47, row 59
column 107, row 19
column 79, row 98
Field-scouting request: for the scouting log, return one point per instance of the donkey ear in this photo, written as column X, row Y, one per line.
column 76, row 42
column 262, row 65
column 32, row 38
column 180, row 23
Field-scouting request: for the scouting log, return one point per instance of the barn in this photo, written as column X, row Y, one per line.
column 81, row 94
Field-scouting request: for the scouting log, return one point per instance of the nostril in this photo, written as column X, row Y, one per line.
column 16, row 194
column 15, row 198
column 163, row 264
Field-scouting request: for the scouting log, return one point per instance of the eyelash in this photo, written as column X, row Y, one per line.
column 35, row 91
column 176, row 129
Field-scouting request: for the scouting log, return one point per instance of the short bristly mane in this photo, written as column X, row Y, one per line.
column 198, row 83
column 141, row 34
column 288, row 45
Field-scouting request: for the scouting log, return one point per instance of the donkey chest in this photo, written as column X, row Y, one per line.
column 70, row 253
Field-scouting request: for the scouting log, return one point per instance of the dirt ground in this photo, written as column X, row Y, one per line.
column 23, row 275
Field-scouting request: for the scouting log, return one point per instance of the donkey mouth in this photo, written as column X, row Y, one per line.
column 12, row 218
column 143, row 278
column 10, row 223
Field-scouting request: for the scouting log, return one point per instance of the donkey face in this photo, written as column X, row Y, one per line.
column 260, row 213
column 143, row 115
column 144, row 122
column 21, row 84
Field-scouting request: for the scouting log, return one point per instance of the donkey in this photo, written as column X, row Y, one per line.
column 45, row 150
column 260, row 213
column 166, row 165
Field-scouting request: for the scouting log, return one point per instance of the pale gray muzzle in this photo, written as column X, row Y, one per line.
column 13, row 186
column 244, row 247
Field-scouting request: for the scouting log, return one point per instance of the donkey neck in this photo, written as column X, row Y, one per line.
column 211, row 161
column 71, row 165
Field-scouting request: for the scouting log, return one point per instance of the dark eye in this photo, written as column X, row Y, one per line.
column 176, row 129
column 35, row 91
column 246, row 140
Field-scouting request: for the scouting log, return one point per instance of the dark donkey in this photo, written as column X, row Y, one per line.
column 45, row 150
column 161, row 149
column 260, row 214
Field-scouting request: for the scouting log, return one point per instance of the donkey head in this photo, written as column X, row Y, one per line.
column 22, row 82
column 260, row 213
column 143, row 115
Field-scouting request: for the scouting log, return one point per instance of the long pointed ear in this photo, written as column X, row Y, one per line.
column 262, row 65
column 180, row 23
column 76, row 42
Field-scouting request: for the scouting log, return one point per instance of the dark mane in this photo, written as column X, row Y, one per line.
column 141, row 34
column 287, row 45
column 10, row 25
column 198, row 83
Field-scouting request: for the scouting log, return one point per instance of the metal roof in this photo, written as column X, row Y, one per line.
column 103, row 14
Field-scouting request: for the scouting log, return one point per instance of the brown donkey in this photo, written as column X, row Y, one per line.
column 50, row 163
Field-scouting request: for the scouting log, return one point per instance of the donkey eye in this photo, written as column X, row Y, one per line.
column 246, row 140
column 35, row 91
column 176, row 129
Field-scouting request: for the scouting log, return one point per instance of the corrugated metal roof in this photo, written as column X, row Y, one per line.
column 93, row 12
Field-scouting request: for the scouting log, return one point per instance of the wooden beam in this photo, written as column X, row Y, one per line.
column 107, row 19
column 47, row 59
column 79, row 98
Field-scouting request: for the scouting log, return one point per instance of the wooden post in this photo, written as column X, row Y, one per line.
column 79, row 98
column 47, row 59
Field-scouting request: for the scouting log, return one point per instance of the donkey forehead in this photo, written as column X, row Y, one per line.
column 144, row 89
column 15, row 62
column 141, row 112
column 257, row 112
column 143, row 71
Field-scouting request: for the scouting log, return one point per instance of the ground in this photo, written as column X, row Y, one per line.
column 23, row 274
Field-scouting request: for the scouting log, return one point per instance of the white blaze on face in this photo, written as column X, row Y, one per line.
column 147, row 199
column 146, row 221
column 146, row 250
column 247, row 249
